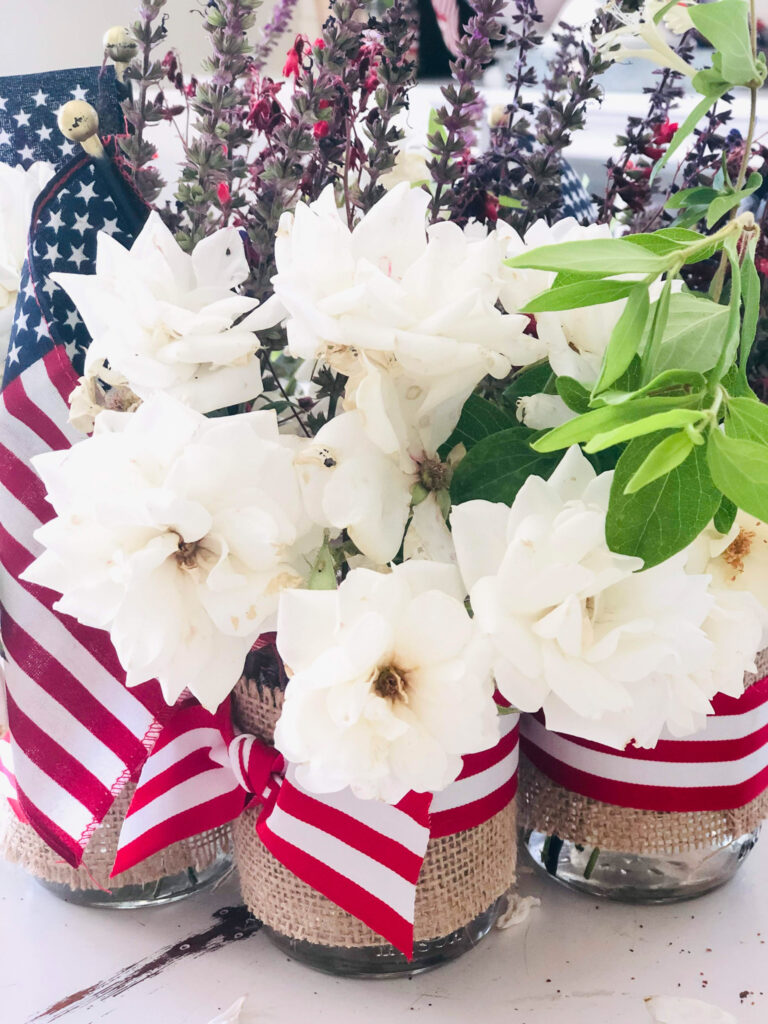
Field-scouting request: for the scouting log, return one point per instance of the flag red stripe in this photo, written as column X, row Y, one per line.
column 60, row 372
column 340, row 890
column 23, row 408
column 24, row 484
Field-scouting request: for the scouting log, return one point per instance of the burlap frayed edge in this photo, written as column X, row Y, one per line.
column 544, row 806
column 461, row 877
column 20, row 844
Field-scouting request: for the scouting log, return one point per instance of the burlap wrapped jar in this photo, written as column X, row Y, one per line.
column 458, row 898
column 629, row 853
column 182, row 869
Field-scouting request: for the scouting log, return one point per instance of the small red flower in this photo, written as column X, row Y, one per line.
column 491, row 207
column 292, row 65
column 321, row 129
column 223, row 193
column 664, row 132
column 762, row 266
column 323, row 104
column 319, row 43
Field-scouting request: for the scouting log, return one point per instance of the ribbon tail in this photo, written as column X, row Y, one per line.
column 363, row 855
column 186, row 786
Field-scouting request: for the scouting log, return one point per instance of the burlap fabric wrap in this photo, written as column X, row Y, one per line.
column 461, row 877
column 544, row 806
column 20, row 844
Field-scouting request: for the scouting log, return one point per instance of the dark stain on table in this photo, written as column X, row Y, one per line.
column 231, row 925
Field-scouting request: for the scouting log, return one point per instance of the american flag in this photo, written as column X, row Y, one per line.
column 29, row 106
column 78, row 734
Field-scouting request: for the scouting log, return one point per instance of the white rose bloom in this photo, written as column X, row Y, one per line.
column 162, row 319
column 390, row 684
column 18, row 191
column 348, row 483
column 176, row 533
column 609, row 652
column 541, row 412
column 410, row 166
column 407, row 313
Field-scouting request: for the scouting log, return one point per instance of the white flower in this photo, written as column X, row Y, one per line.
column 677, row 19
column 176, row 533
column 348, row 483
column 643, row 28
column 410, row 166
column 18, row 191
column 540, row 412
column 609, row 652
column 162, row 319
column 407, row 313
column 737, row 560
column 389, row 685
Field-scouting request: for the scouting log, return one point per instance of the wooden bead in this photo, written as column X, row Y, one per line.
column 79, row 122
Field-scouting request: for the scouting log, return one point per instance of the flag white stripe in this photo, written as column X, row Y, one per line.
column 54, row 719
column 382, row 882
column 377, row 815
column 475, row 787
column 38, row 383
column 55, row 802
column 685, row 775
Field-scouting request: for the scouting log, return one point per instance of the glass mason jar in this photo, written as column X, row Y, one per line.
column 647, row 826
column 194, row 865
column 458, row 898
column 637, row 877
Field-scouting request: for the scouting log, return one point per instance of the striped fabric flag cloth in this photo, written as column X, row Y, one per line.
column 78, row 735
column 29, row 106
column 722, row 767
column 363, row 855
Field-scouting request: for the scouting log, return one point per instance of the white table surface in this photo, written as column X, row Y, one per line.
column 574, row 961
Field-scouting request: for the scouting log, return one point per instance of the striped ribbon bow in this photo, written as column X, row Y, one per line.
column 363, row 855
column 722, row 767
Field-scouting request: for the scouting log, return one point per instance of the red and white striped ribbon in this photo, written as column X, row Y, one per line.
column 449, row 23
column 724, row 766
column 364, row 855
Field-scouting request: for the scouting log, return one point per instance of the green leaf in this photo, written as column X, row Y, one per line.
column 512, row 204
column 666, row 456
column 665, row 516
column 601, row 420
column 675, row 240
column 691, row 197
column 725, row 515
column 650, row 351
column 529, row 382
column 747, row 420
column 647, row 425
column 667, row 384
column 750, row 283
column 479, row 419
column 726, row 201
column 693, row 337
column 574, row 394
column 740, row 470
column 735, row 383
column 605, row 255
column 625, row 338
column 577, row 295
column 685, row 129
column 726, row 25
column 574, row 277
column 497, row 467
